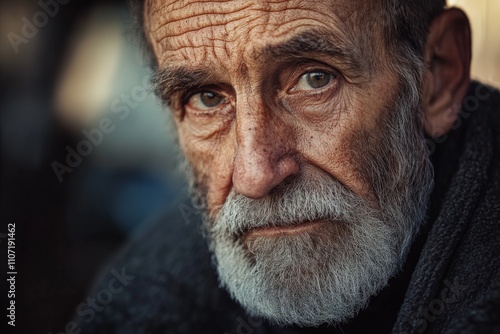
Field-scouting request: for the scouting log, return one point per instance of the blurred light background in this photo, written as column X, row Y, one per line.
column 77, row 68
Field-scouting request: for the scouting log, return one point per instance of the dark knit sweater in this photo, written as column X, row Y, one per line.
column 450, row 283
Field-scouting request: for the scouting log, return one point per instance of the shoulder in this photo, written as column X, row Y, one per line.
column 473, row 271
column 162, row 280
column 455, row 287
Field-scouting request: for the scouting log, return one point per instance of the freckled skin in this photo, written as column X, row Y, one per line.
column 267, row 131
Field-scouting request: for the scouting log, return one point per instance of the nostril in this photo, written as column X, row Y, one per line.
column 284, row 185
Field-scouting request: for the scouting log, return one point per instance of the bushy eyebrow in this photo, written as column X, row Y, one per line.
column 171, row 78
column 318, row 42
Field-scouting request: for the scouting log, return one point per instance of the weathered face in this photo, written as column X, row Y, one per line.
column 274, row 86
column 285, row 111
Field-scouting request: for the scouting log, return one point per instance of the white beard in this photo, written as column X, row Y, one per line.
column 326, row 275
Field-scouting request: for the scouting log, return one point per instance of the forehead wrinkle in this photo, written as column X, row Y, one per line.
column 192, row 29
column 204, row 20
column 166, row 12
column 204, row 14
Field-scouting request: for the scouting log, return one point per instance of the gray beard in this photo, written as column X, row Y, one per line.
column 328, row 274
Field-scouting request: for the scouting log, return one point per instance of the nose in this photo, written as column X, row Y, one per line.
column 264, row 157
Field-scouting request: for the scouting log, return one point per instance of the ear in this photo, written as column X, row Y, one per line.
column 447, row 54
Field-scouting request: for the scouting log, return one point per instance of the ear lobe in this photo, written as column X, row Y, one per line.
column 447, row 55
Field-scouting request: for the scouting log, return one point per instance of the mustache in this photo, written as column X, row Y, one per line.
column 302, row 198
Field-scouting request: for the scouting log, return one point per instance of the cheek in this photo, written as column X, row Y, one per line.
column 361, row 146
column 211, row 160
column 333, row 153
column 371, row 157
column 336, row 142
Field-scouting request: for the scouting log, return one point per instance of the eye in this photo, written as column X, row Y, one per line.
column 205, row 100
column 313, row 80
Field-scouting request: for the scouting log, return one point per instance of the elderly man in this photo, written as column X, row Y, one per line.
column 347, row 170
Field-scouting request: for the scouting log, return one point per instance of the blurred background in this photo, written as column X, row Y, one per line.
column 87, row 155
